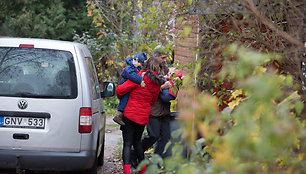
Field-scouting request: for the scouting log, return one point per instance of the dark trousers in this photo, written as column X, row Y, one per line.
column 158, row 133
column 131, row 134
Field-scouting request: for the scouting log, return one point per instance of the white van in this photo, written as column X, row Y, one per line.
column 51, row 111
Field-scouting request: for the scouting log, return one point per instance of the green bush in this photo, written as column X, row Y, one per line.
column 261, row 134
column 111, row 105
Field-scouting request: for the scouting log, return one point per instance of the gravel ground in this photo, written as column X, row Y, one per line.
column 113, row 141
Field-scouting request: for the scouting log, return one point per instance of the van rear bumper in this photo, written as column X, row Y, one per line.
column 41, row 160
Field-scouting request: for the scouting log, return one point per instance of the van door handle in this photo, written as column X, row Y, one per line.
column 21, row 136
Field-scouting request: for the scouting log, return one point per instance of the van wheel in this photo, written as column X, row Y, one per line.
column 101, row 155
column 93, row 169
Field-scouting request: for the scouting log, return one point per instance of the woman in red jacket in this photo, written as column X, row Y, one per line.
column 137, row 111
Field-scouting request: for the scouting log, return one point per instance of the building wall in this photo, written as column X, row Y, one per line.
column 184, row 47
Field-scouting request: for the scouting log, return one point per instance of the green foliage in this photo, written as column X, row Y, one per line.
column 146, row 26
column 155, row 26
column 44, row 19
column 111, row 105
column 105, row 54
column 99, row 47
column 225, row 22
column 260, row 135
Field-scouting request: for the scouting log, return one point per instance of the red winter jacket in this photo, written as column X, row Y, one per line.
column 140, row 100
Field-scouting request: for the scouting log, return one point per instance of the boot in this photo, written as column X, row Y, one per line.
column 126, row 169
column 134, row 161
column 118, row 118
column 143, row 170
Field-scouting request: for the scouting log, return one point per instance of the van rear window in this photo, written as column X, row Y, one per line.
column 38, row 73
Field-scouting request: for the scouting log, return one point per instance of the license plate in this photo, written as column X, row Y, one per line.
column 22, row 122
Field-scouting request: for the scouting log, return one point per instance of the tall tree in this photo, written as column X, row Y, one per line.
column 56, row 19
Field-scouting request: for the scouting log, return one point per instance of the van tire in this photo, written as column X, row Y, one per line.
column 101, row 155
column 92, row 170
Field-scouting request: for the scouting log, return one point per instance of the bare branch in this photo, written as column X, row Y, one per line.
column 103, row 13
column 297, row 10
column 272, row 26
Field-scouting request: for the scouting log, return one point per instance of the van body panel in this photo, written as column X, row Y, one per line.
column 88, row 139
column 57, row 127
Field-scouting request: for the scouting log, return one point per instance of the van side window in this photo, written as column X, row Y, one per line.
column 93, row 79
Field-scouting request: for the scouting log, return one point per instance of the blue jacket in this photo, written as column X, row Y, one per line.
column 130, row 72
column 165, row 96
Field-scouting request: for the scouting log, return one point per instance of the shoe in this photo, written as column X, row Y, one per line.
column 134, row 162
column 126, row 169
column 118, row 119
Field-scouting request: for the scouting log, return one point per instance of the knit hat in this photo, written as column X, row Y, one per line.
column 141, row 57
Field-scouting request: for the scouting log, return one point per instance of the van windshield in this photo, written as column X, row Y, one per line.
column 38, row 73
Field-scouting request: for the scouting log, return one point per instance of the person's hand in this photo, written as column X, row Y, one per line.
column 143, row 84
column 176, row 78
column 166, row 85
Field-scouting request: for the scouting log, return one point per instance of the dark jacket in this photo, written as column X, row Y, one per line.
column 160, row 107
column 130, row 72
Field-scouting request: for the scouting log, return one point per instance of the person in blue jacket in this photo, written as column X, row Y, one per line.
column 133, row 67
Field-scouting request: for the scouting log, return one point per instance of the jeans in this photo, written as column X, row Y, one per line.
column 158, row 133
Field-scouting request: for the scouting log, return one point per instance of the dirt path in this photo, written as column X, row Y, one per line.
column 113, row 139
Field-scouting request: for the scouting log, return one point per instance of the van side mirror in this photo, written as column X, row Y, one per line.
column 108, row 89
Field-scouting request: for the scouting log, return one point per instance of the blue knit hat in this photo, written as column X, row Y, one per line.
column 141, row 57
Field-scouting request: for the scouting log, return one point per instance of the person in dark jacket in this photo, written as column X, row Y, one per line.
column 137, row 110
column 159, row 132
column 130, row 72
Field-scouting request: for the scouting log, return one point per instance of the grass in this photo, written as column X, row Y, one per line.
column 119, row 150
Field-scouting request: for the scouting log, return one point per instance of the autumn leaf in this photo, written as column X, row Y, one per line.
column 236, row 93
column 260, row 70
column 110, row 62
column 89, row 13
column 234, row 103
column 139, row 4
